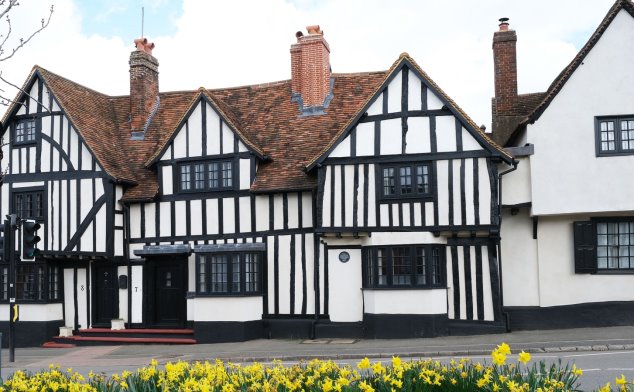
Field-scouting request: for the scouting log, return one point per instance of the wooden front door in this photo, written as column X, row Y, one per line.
column 166, row 295
column 106, row 296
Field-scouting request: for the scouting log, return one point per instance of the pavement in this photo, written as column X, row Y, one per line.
column 267, row 350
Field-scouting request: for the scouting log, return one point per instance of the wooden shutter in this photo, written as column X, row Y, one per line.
column 585, row 237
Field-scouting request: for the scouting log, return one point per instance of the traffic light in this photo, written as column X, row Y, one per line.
column 30, row 239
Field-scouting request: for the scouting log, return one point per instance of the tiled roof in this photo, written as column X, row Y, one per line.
column 505, row 125
column 565, row 74
column 93, row 117
column 290, row 140
column 263, row 116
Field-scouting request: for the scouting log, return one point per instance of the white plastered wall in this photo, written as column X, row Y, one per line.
column 559, row 285
column 567, row 177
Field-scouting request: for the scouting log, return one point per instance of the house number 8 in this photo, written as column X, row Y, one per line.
column 81, row 287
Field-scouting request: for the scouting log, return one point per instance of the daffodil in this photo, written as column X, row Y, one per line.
column 364, row 363
column 524, row 357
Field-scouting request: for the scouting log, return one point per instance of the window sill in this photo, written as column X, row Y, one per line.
column 615, row 272
column 400, row 288
column 222, row 295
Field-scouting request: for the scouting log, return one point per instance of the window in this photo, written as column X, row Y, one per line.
column 403, row 266
column 205, row 176
column 24, row 131
column 615, row 135
column 33, row 282
column 405, row 181
column 604, row 245
column 230, row 273
column 29, row 205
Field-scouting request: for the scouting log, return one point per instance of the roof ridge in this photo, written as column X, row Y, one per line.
column 561, row 79
column 71, row 81
column 259, row 85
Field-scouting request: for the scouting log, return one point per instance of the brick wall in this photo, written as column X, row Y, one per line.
column 310, row 67
column 144, row 87
column 505, row 68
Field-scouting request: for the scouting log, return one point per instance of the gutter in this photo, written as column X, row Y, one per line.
column 507, row 319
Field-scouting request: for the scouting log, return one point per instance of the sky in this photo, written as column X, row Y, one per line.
column 217, row 44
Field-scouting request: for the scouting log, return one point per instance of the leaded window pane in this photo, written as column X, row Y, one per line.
column 202, row 274
column 389, row 182
column 199, row 176
column 214, row 174
column 436, row 260
column 401, row 266
column 227, row 176
column 381, row 263
column 421, row 273
column 405, row 174
column 219, row 271
column 422, row 179
column 185, row 177
column 25, row 131
column 235, row 274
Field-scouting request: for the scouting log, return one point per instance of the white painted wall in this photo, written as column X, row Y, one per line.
column 519, row 260
column 226, row 308
column 558, row 283
column 344, row 286
column 406, row 301
column 35, row 312
column 567, row 177
column 82, row 298
column 516, row 185
column 136, row 291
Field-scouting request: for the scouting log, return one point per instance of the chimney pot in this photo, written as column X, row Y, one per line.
column 504, row 24
column 314, row 29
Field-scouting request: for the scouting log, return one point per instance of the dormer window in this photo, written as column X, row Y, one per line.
column 24, row 131
column 205, row 176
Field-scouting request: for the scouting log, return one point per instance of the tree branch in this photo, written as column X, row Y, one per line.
column 22, row 40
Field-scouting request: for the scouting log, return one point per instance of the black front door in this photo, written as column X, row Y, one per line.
column 106, row 297
column 166, row 295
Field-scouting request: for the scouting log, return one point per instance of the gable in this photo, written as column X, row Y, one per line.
column 56, row 145
column 409, row 114
column 620, row 8
column 203, row 132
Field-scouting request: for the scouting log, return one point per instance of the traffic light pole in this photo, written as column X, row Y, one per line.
column 10, row 225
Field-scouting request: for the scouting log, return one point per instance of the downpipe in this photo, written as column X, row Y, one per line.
column 507, row 317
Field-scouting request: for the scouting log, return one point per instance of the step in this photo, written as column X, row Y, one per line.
column 137, row 333
column 119, row 340
column 58, row 345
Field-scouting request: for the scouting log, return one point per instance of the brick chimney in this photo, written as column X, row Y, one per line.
column 505, row 67
column 144, row 86
column 310, row 70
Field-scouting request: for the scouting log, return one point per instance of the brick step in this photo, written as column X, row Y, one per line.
column 137, row 333
column 80, row 340
column 58, row 345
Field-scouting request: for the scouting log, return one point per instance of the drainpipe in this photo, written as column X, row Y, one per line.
column 507, row 318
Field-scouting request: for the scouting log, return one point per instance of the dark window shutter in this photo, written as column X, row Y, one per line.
column 585, row 238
